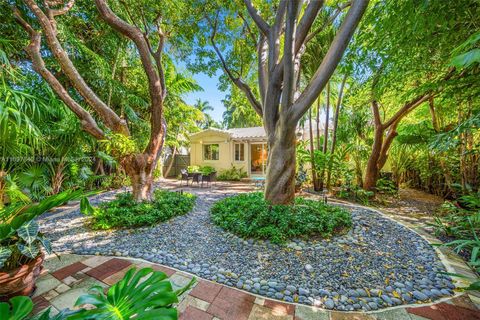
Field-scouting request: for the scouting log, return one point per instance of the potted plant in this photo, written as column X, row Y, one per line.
column 23, row 246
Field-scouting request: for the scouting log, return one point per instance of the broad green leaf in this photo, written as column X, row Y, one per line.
column 21, row 307
column 4, row 255
column 28, row 231
column 466, row 59
column 85, row 207
column 46, row 244
column 30, row 251
column 6, row 231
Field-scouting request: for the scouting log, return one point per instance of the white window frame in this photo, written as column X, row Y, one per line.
column 240, row 146
column 211, row 144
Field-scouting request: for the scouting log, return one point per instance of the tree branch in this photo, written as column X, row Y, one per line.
column 33, row 49
column 108, row 116
column 328, row 22
column 406, row 109
column 288, row 54
column 153, row 72
column 331, row 59
column 261, row 24
column 65, row 9
column 306, row 23
column 236, row 80
column 262, row 67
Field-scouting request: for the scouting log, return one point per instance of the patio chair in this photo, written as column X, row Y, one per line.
column 185, row 176
column 196, row 177
column 209, row 178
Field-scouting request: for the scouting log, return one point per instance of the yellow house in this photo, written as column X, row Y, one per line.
column 244, row 148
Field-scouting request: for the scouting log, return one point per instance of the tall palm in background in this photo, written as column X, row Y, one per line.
column 204, row 107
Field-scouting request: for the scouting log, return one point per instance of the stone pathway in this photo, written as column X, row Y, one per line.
column 63, row 221
column 378, row 264
column 64, row 280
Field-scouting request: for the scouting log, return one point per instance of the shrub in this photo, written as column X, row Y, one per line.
column 206, row 170
column 125, row 212
column 356, row 194
column 193, row 169
column 232, row 174
column 386, row 186
column 251, row 216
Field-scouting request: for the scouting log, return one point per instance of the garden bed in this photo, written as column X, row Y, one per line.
column 124, row 212
column 378, row 263
column 251, row 216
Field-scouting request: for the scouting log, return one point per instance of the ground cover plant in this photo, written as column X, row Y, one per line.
column 232, row 174
column 125, row 212
column 251, row 216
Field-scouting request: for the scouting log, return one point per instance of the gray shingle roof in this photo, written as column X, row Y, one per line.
column 246, row 133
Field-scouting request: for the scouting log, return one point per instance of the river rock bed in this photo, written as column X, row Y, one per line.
column 377, row 264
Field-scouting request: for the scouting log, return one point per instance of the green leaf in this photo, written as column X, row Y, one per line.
column 466, row 59
column 21, row 307
column 85, row 207
column 4, row 255
column 46, row 244
column 142, row 294
column 30, row 251
column 28, row 231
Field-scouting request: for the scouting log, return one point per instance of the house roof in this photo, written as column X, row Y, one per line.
column 247, row 133
column 236, row 133
column 256, row 132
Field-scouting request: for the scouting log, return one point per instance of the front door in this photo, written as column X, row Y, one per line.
column 258, row 159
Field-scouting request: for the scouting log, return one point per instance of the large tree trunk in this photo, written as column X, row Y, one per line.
column 280, row 104
column 381, row 144
column 280, row 177
column 139, row 168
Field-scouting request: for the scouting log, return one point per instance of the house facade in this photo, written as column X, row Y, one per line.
column 244, row 148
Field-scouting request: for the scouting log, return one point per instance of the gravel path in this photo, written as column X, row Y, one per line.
column 378, row 264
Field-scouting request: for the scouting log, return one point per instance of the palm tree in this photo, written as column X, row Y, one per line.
column 203, row 107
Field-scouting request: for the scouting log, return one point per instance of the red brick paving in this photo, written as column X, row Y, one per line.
column 165, row 270
column 40, row 303
column 192, row 313
column 206, row 291
column 231, row 304
column 108, row 268
column 445, row 311
column 227, row 293
column 64, row 272
column 230, row 310
column 280, row 309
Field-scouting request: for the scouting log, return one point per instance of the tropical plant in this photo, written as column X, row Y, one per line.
column 20, row 239
column 232, row 174
column 125, row 212
column 143, row 294
column 251, row 216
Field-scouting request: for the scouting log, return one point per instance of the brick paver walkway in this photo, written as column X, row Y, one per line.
column 64, row 280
